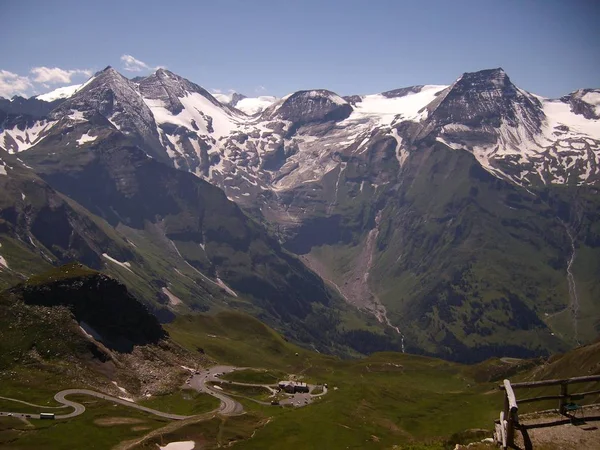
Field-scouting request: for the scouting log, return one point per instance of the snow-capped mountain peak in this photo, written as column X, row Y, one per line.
column 517, row 135
column 269, row 143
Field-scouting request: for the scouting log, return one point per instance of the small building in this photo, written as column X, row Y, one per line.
column 293, row 387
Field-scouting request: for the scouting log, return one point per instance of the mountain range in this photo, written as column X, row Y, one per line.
column 460, row 221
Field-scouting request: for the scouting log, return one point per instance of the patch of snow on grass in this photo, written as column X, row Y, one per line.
column 125, row 265
column 3, row 263
column 227, row 288
column 179, row 445
column 173, row 299
column 124, row 391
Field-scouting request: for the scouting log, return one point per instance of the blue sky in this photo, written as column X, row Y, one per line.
column 275, row 47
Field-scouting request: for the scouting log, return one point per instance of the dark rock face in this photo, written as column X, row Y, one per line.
column 305, row 107
column 236, row 98
column 167, row 87
column 28, row 106
column 102, row 304
column 402, row 92
column 580, row 106
column 485, row 98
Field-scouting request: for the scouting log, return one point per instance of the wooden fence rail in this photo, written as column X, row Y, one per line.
column 509, row 418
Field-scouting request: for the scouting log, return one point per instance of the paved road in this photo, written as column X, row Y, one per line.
column 228, row 407
column 198, row 381
column 79, row 409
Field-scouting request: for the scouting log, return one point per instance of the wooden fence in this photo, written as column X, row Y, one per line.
column 509, row 418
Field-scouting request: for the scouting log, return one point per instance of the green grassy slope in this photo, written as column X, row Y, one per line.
column 379, row 401
column 469, row 266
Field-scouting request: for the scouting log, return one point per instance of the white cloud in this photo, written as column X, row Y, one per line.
column 260, row 89
column 55, row 75
column 132, row 64
column 13, row 84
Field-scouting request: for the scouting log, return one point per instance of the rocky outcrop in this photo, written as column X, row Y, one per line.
column 102, row 306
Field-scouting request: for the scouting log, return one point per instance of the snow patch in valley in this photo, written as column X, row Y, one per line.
column 125, row 265
column 383, row 109
column 227, row 288
column 124, row 391
column 3, row 263
column 173, row 299
column 179, row 445
column 256, row 105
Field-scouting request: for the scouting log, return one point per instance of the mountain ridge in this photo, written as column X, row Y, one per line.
column 355, row 185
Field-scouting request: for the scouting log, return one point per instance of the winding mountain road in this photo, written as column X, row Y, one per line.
column 79, row 409
column 228, row 406
column 197, row 381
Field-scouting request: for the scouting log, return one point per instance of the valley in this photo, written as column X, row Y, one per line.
column 425, row 219
column 300, row 225
column 213, row 379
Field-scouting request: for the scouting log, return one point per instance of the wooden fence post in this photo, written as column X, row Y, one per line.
column 564, row 386
column 503, row 430
column 511, row 408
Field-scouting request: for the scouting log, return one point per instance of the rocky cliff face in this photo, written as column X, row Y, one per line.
column 100, row 304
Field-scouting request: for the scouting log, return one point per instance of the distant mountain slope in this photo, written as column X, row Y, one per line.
column 186, row 245
column 463, row 218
